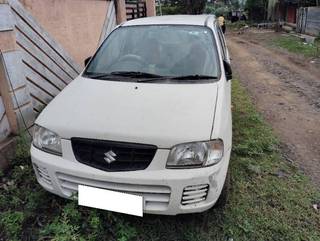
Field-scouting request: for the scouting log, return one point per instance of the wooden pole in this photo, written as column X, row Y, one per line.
column 278, row 17
column 7, row 44
column 6, row 97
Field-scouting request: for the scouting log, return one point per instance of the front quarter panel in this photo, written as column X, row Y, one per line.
column 222, row 128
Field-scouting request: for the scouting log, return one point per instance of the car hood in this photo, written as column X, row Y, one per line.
column 150, row 113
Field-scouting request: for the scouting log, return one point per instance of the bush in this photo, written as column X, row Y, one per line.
column 209, row 9
column 11, row 221
column 169, row 10
column 183, row 7
column 222, row 11
column 257, row 9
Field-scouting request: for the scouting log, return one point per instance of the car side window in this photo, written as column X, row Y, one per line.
column 222, row 43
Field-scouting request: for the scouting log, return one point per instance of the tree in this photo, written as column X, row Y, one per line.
column 235, row 4
column 257, row 9
column 189, row 6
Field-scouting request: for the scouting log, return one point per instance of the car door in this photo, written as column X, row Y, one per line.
column 225, row 90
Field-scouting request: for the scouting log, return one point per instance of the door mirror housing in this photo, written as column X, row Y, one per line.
column 87, row 60
column 227, row 69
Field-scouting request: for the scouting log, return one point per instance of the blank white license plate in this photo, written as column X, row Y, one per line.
column 110, row 200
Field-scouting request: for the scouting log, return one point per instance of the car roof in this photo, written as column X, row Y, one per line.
column 200, row 20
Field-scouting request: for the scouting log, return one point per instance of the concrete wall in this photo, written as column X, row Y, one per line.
column 151, row 8
column 75, row 24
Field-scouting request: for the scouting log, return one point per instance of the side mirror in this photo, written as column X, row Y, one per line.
column 227, row 69
column 87, row 60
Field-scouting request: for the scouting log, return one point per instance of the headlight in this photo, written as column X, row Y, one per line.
column 46, row 140
column 197, row 154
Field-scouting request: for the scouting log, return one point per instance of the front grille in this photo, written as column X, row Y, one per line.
column 42, row 174
column 194, row 194
column 155, row 197
column 113, row 156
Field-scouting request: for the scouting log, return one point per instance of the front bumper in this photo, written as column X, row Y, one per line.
column 161, row 188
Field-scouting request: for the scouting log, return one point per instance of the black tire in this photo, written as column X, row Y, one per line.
column 222, row 201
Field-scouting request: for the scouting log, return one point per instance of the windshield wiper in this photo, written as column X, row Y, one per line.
column 184, row 77
column 129, row 74
column 98, row 75
column 135, row 74
column 194, row 77
column 147, row 77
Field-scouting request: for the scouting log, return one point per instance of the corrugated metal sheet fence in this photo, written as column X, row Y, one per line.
column 308, row 20
column 36, row 69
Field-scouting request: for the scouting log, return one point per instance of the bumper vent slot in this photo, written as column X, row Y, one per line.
column 43, row 174
column 194, row 194
column 113, row 156
column 155, row 197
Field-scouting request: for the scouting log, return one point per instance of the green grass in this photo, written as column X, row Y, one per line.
column 296, row 45
column 269, row 199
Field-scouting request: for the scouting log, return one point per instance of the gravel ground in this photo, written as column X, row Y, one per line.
column 286, row 89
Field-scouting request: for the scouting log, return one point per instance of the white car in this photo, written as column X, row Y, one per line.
column 150, row 115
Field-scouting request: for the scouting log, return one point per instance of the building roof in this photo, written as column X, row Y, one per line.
column 200, row 20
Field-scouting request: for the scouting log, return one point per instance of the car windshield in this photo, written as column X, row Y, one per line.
column 157, row 51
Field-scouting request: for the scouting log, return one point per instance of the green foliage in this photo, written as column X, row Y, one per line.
column 209, row 9
column 235, row 4
column 221, row 11
column 11, row 221
column 192, row 6
column 61, row 229
column 269, row 200
column 270, row 197
column 22, row 147
column 220, row 8
column 217, row 9
column 125, row 231
column 197, row 7
column 295, row 45
column 169, row 10
column 183, row 7
column 257, row 9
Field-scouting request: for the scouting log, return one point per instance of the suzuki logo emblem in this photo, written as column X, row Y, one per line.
column 110, row 156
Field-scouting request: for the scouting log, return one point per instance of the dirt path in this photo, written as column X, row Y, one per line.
column 287, row 92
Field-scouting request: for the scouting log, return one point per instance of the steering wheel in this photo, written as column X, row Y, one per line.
column 131, row 58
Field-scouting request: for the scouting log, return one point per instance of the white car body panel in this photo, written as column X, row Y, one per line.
column 133, row 112
column 160, row 114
